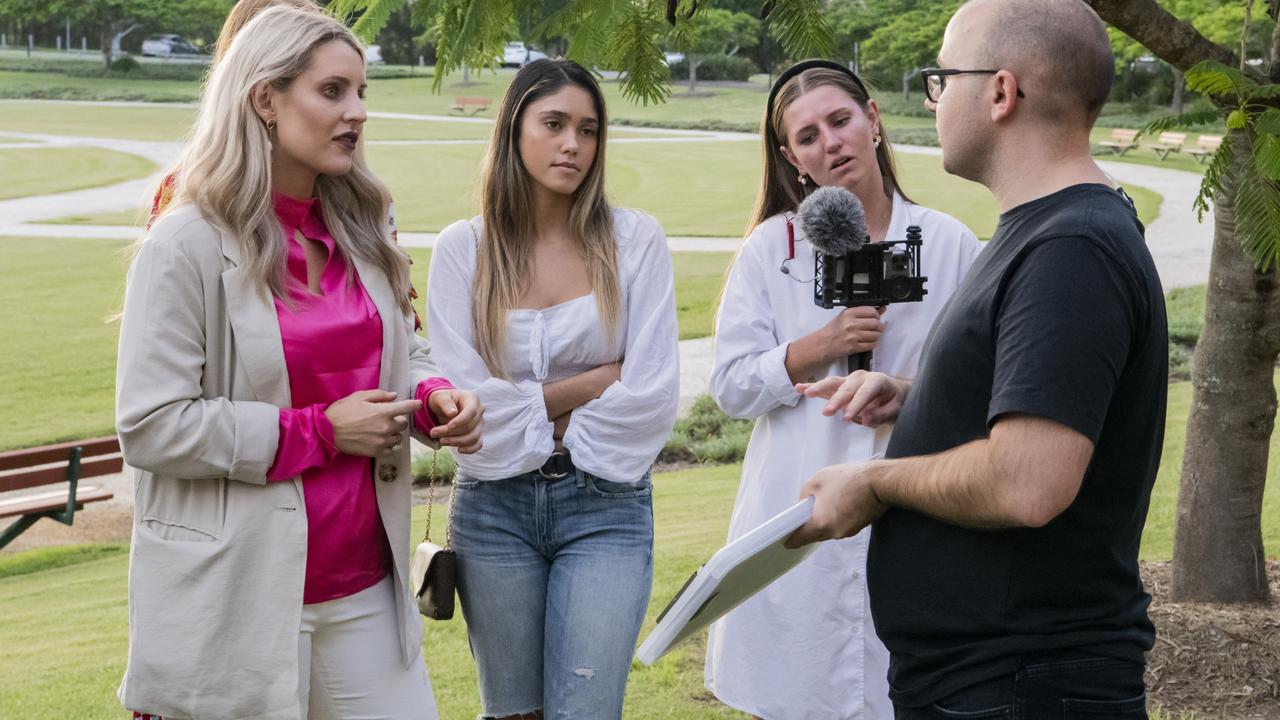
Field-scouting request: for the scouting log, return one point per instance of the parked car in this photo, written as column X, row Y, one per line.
column 516, row 54
column 166, row 45
column 671, row 58
column 373, row 55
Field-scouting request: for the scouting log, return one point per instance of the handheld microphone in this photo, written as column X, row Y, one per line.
column 835, row 223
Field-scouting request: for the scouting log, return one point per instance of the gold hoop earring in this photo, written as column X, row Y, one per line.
column 271, row 125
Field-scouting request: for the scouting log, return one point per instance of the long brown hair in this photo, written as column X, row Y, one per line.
column 780, row 190
column 506, row 208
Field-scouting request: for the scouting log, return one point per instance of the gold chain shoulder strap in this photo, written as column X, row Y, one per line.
column 431, row 498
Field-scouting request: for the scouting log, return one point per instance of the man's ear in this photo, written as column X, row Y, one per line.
column 1006, row 97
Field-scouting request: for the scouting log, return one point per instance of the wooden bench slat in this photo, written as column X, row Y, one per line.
column 52, row 500
column 15, row 459
column 90, row 467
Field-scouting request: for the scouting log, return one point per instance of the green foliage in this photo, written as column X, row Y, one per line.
column 715, row 31
column 801, row 26
column 909, row 40
column 716, row 67
column 125, row 64
column 635, row 49
column 434, row 466
column 1255, row 125
column 706, row 435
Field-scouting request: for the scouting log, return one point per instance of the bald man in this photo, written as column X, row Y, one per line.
column 1003, row 567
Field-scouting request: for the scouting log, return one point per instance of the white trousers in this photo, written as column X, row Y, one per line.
column 349, row 662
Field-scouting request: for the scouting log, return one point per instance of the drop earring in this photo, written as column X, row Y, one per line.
column 875, row 140
column 802, row 179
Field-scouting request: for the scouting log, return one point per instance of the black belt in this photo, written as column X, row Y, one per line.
column 559, row 465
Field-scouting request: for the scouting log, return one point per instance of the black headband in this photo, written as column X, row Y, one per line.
column 800, row 67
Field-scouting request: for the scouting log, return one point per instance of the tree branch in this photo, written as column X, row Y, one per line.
column 1175, row 41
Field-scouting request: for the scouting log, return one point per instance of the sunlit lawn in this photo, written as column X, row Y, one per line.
column 65, row 628
column 47, row 170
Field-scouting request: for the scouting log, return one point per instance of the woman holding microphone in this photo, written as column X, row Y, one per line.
column 805, row 648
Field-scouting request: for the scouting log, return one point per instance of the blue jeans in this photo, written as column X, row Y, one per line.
column 1066, row 685
column 554, row 578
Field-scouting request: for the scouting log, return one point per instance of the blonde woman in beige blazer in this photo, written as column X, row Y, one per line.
column 223, row 292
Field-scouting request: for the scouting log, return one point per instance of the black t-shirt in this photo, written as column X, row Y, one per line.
column 1062, row 316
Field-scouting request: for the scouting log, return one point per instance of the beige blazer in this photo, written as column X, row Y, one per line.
column 218, row 554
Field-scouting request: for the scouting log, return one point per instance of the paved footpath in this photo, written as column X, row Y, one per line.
column 1179, row 244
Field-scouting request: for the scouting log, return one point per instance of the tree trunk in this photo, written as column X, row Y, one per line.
column 693, row 72
column 1175, row 105
column 105, row 38
column 906, row 84
column 1218, row 554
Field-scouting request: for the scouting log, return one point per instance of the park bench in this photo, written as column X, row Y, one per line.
column 57, row 469
column 1205, row 146
column 1122, row 141
column 1168, row 143
column 471, row 105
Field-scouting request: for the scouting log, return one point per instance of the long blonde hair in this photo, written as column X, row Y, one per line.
column 244, row 11
column 780, row 190
column 506, row 207
column 226, row 164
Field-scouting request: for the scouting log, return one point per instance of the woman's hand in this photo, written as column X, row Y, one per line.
column 370, row 423
column 854, row 330
column 462, row 418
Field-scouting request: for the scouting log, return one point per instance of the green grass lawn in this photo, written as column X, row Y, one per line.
column 61, row 385
column 125, row 122
column 704, row 188
column 66, row 626
column 125, row 218
column 65, row 629
column 59, row 363
column 43, row 171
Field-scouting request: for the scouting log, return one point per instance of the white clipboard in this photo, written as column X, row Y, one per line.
column 736, row 572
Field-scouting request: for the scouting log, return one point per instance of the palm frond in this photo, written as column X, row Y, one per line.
column 1268, row 122
column 1266, row 156
column 1185, row 120
column 1263, row 92
column 1257, row 210
column 802, row 28
column 633, row 48
column 1213, row 78
column 375, row 17
column 1211, row 184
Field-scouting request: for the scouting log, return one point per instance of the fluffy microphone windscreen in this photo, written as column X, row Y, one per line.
column 833, row 221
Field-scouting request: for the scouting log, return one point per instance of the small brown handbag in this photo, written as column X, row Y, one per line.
column 434, row 569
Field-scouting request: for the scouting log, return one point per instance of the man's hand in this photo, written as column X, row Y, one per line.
column 462, row 418
column 866, row 398
column 844, row 503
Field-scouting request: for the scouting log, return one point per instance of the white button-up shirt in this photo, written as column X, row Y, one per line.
column 804, row 648
column 617, row 435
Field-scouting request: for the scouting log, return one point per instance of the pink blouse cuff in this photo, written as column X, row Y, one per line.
column 306, row 442
column 423, row 419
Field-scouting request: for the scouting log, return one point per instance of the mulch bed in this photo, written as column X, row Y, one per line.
column 1215, row 661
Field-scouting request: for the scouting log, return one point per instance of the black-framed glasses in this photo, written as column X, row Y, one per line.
column 935, row 80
